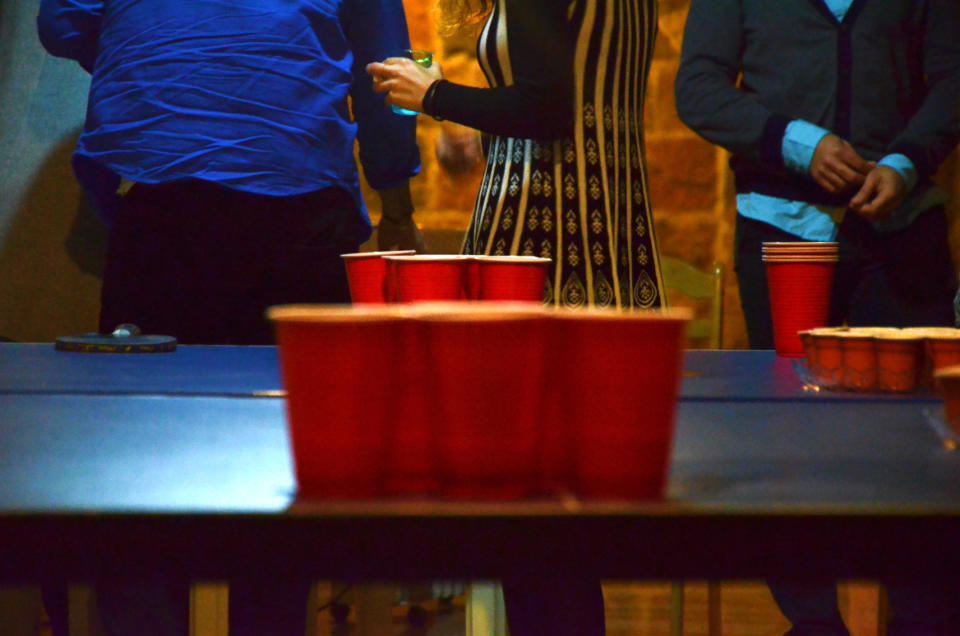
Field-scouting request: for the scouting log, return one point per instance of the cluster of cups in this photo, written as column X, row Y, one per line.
column 479, row 399
column 885, row 359
column 404, row 276
column 800, row 280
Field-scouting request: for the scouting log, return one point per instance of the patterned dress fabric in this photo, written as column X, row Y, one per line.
column 582, row 200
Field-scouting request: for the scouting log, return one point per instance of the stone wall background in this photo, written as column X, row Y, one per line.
column 51, row 242
column 691, row 185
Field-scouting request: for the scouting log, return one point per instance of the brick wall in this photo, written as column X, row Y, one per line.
column 691, row 185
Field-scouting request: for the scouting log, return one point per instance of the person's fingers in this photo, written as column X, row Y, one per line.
column 828, row 180
column 850, row 159
column 385, row 86
column 867, row 192
column 848, row 176
column 883, row 202
column 375, row 68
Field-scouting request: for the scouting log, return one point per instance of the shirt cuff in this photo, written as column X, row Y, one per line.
column 799, row 142
column 903, row 166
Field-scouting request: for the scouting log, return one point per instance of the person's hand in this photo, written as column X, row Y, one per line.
column 836, row 166
column 404, row 81
column 400, row 235
column 882, row 192
column 458, row 148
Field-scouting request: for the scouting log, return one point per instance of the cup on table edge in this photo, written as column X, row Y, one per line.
column 367, row 275
column 616, row 376
column 943, row 346
column 827, row 371
column 947, row 382
column 423, row 58
column 429, row 277
column 339, row 429
column 927, row 365
column 800, row 280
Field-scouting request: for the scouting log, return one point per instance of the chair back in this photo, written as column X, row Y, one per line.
column 685, row 286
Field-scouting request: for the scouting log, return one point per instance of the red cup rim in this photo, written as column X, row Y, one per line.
column 938, row 333
column 358, row 255
column 518, row 260
column 314, row 313
column 427, row 258
column 948, row 372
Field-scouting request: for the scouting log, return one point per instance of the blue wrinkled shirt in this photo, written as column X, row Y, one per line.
column 250, row 94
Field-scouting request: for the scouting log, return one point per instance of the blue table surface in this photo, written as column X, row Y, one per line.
column 229, row 454
column 254, row 371
column 104, row 457
column 747, row 435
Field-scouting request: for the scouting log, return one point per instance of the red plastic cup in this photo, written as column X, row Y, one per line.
column 827, row 370
column 947, row 382
column 899, row 361
column 472, row 280
column 429, row 277
column 620, row 413
column 799, row 300
column 412, row 454
column 367, row 275
column 859, row 359
column 943, row 347
column 487, row 364
column 329, row 360
column 518, row 278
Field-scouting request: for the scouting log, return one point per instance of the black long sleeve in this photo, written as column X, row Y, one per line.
column 538, row 104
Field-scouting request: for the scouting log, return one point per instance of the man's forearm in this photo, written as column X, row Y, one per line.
column 397, row 205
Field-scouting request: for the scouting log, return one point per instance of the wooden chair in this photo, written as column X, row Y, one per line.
column 685, row 283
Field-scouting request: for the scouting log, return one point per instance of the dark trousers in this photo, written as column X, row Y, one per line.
column 202, row 262
column 554, row 606
column 903, row 278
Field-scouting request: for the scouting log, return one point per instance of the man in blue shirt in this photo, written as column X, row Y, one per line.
column 837, row 113
column 219, row 142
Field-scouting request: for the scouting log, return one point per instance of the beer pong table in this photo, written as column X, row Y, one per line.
column 123, row 462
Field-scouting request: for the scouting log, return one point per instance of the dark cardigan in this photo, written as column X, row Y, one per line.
column 887, row 79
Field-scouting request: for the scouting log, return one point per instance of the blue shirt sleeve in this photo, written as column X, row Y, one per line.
column 71, row 29
column 903, row 166
column 376, row 30
column 801, row 139
column 799, row 142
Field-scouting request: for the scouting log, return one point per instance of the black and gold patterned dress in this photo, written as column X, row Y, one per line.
column 565, row 176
